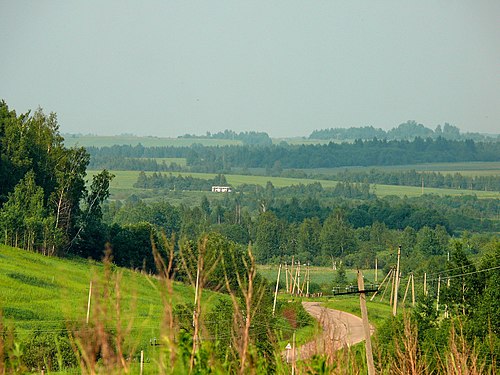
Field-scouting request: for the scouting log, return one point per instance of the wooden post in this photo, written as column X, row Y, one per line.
column 142, row 362
column 376, row 270
column 406, row 290
column 391, row 272
column 292, row 278
column 293, row 354
column 395, row 306
column 439, row 286
column 276, row 290
column 298, row 278
column 308, row 279
column 366, row 325
column 425, row 283
column 380, row 286
column 392, row 288
column 286, row 277
column 88, row 303
column 412, row 290
column 196, row 291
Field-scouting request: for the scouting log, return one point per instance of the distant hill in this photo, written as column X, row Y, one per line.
column 405, row 131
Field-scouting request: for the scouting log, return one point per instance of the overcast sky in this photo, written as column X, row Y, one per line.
column 167, row 68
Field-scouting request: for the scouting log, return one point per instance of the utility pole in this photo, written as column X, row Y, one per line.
column 366, row 324
column 382, row 283
column 308, row 277
column 439, row 285
column 396, row 285
column 425, row 283
column 286, row 277
column 276, row 290
column 376, row 270
column 88, row 303
column 412, row 290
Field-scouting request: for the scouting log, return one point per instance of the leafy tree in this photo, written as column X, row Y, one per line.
column 337, row 236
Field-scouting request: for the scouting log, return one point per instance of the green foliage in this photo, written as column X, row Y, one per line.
column 51, row 351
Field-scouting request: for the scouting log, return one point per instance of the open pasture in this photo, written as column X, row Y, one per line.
column 179, row 161
column 465, row 168
column 124, row 181
column 71, row 140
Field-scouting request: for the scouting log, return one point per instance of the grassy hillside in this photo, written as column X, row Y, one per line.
column 38, row 292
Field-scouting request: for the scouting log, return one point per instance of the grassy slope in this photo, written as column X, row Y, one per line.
column 44, row 292
column 124, row 181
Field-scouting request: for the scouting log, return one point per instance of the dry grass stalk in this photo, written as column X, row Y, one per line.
column 198, row 280
column 409, row 358
column 103, row 339
column 165, row 272
column 461, row 358
column 242, row 318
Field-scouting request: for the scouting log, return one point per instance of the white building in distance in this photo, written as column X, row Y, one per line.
column 221, row 189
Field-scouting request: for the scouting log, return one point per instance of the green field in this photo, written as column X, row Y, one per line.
column 71, row 140
column 178, row 161
column 122, row 185
column 46, row 293
column 318, row 275
column 466, row 169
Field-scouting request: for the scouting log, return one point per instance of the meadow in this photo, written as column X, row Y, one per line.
column 71, row 140
column 122, row 185
column 466, row 168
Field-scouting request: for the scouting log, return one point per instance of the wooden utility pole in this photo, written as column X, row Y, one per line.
column 396, row 287
column 376, row 270
column 88, row 303
column 391, row 300
column 425, row 283
column 366, row 325
column 142, row 362
column 412, row 290
column 298, row 278
column 286, row 278
column 382, row 283
column 406, row 289
column 276, row 290
column 308, row 278
column 391, row 279
column 439, row 286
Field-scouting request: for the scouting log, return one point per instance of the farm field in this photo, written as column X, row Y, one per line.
column 179, row 161
column 466, row 169
column 124, row 181
column 71, row 140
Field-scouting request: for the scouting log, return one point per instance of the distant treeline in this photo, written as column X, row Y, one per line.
column 133, row 164
column 406, row 131
column 247, row 138
column 216, row 159
column 427, row 179
column 171, row 182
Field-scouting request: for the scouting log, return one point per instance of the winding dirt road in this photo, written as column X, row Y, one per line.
column 340, row 329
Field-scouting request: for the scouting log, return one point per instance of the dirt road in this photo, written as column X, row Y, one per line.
column 340, row 329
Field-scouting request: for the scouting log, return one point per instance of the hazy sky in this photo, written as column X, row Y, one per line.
column 168, row 68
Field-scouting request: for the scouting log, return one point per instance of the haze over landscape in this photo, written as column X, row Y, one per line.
column 286, row 68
